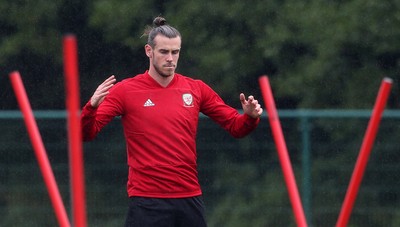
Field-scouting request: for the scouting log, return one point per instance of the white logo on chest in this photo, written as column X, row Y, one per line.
column 148, row 103
column 187, row 100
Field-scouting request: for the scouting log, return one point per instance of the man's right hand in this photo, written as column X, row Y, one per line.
column 102, row 91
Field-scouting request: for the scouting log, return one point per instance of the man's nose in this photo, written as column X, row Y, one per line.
column 169, row 57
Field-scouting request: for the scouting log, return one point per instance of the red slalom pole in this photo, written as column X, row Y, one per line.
column 365, row 152
column 70, row 51
column 39, row 149
column 282, row 152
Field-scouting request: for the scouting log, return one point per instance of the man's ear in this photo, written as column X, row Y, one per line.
column 148, row 50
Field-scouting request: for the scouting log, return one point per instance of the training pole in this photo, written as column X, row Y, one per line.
column 70, row 51
column 39, row 149
column 282, row 151
column 365, row 152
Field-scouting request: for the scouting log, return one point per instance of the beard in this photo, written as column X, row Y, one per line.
column 165, row 73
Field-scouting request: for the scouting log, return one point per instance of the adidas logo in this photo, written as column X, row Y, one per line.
column 149, row 103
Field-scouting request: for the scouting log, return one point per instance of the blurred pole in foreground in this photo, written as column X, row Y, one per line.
column 39, row 149
column 365, row 152
column 70, row 51
column 282, row 152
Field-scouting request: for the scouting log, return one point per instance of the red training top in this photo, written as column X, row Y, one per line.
column 160, row 126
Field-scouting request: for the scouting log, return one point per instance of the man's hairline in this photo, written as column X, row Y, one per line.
column 160, row 34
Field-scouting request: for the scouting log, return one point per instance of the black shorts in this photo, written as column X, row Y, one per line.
column 152, row 212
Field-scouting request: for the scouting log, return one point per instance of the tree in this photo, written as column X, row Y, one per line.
column 333, row 54
column 318, row 54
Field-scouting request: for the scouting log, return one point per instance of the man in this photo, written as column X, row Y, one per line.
column 160, row 110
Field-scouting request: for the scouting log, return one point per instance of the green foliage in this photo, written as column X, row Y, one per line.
column 28, row 26
column 122, row 21
column 242, row 180
column 332, row 54
column 253, row 200
column 318, row 54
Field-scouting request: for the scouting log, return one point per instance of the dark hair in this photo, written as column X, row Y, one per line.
column 160, row 26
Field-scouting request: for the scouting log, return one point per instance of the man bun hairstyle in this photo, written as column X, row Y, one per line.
column 160, row 26
column 159, row 21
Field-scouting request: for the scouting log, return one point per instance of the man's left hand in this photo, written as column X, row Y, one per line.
column 251, row 106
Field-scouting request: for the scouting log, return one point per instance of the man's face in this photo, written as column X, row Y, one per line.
column 165, row 54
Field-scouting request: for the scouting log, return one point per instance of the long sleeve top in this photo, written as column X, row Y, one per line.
column 160, row 126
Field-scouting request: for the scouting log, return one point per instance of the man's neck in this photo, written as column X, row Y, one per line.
column 162, row 80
